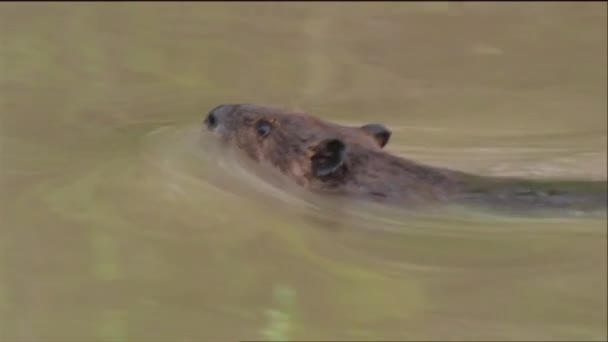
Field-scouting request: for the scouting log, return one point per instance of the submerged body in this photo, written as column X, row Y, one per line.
column 350, row 161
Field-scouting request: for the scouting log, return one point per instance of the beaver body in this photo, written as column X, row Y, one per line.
column 350, row 161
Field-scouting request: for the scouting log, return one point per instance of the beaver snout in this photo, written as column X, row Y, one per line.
column 217, row 115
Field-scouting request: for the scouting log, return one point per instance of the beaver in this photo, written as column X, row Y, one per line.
column 334, row 159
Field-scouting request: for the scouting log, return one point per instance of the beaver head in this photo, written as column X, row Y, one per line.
column 300, row 145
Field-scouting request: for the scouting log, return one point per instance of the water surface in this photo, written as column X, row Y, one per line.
column 119, row 221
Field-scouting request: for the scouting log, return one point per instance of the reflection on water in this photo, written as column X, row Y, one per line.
column 121, row 222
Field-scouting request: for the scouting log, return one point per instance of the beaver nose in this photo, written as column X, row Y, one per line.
column 211, row 121
column 216, row 114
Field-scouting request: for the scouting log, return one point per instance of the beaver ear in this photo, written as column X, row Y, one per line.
column 328, row 157
column 378, row 132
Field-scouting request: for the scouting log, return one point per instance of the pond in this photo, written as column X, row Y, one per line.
column 120, row 221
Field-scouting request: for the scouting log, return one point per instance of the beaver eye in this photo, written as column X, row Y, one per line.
column 263, row 128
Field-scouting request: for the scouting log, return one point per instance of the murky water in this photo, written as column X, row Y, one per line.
column 119, row 221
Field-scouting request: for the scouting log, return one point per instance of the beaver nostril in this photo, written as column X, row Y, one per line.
column 211, row 121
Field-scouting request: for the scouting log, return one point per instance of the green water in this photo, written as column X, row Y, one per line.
column 118, row 221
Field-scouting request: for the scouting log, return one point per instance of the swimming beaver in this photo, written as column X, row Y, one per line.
column 331, row 158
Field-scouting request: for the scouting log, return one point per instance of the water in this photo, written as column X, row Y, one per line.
column 119, row 221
